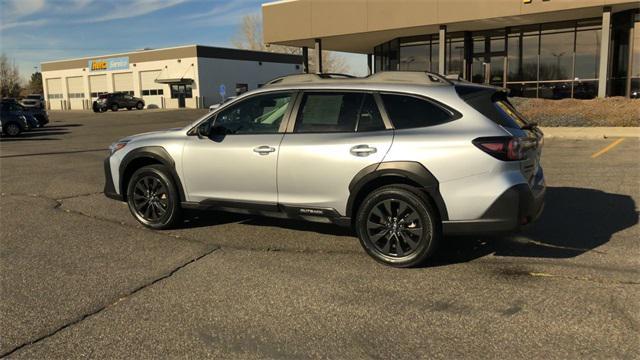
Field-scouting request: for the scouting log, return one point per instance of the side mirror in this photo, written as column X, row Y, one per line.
column 204, row 129
column 218, row 130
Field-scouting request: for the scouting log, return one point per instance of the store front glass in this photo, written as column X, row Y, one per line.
column 553, row 60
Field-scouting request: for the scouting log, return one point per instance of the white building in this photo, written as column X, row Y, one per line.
column 192, row 76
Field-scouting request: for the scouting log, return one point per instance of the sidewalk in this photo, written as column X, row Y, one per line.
column 590, row 132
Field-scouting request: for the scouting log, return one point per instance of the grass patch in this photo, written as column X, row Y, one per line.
column 614, row 111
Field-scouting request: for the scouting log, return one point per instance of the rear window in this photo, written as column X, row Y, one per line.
column 493, row 104
column 510, row 114
column 408, row 112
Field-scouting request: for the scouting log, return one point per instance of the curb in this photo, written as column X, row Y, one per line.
column 590, row 132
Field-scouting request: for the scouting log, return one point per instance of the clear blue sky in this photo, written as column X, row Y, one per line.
column 32, row 31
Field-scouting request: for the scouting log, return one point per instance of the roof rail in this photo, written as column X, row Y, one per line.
column 417, row 77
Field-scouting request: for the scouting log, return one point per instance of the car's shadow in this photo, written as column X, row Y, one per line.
column 574, row 221
column 45, row 133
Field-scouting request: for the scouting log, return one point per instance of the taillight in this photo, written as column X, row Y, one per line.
column 505, row 148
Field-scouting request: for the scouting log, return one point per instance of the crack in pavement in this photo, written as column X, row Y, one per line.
column 110, row 304
column 53, row 153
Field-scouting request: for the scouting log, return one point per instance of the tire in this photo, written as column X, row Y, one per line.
column 397, row 226
column 164, row 211
column 139, row 105
column 12, row 129
column 114, row 107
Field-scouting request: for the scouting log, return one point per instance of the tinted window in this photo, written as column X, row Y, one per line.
column 369, row 118
column 410, row 112
column 257, row 115
column 338, row 112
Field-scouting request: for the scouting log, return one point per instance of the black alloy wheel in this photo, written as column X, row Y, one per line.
column 397, row 226
column 152, row 197
column 12, row 129
column 139, row 105
column 394, row 227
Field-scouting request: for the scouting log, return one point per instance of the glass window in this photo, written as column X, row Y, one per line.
column 411, row 112
column 523, row 56
column 181, row 89
column 369, row 118
column 587, row 54
column 435, row 50
column 556, row 55
column 456, row 56
column 394, row 47
column 414, row 57
column 257, row 115
column 328, row 112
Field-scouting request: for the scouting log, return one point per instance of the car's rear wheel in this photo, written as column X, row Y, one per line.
column 114, row 107
column 139, row 105
column 152, row 197
column 397, row 226
column 12, row 129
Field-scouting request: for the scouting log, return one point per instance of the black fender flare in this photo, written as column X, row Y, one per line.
column 157, row 153
column 411, row 170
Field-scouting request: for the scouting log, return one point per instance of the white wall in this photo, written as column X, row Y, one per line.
column 207, row 73
column 213, row 72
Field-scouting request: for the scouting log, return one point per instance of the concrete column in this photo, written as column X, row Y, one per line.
column 305, row 59
column 604, row 52
column 442, row 38
column 318, row 53
column 370, row 63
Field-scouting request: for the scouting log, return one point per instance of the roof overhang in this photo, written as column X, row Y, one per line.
column 359, row 26
column 181, row 81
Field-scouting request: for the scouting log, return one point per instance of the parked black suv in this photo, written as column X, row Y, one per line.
column 117, row 100
column 12, row 118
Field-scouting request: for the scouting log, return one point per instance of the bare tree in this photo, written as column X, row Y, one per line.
column 10, row 84
column 249, row 37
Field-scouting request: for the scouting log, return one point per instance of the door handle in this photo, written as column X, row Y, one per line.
column 363, row 150
column 264, row 150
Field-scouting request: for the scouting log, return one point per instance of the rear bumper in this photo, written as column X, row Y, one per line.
column 518, row 206
column 109, row 187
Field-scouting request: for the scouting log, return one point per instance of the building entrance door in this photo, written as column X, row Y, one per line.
column 488, row 58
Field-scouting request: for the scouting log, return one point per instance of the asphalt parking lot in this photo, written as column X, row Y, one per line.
column 80, row 278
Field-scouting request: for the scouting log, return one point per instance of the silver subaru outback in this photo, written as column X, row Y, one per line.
column 403, row 157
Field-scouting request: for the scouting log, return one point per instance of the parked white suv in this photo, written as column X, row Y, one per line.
column 403, row 157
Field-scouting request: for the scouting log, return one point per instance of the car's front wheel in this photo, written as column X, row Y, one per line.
column 12, row 129
column 114, row 107
column 152, row 197
column 139, row 105
column 397, row 226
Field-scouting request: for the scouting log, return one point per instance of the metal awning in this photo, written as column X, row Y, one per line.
column 175, row 81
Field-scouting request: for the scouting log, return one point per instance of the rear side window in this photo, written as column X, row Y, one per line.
column 338, row 112
column 410, row 112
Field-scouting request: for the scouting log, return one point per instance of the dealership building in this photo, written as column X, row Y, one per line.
column 190, row 76
column 536, row 48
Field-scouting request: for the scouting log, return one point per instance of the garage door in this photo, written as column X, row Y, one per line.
column 54, row 93
column 98, row 85
column 152, row 92
column 75, row 87
column 123, row 82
